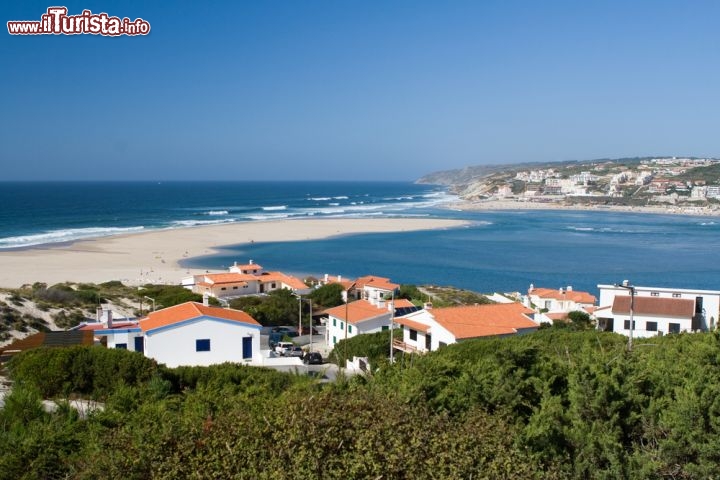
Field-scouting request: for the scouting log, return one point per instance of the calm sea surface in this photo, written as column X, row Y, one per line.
column 498, row 251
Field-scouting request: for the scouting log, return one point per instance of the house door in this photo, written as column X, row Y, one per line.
column 139, row 344
column 428, row 342
column 247, row 347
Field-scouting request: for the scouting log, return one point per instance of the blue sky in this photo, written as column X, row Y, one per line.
column 356, row 90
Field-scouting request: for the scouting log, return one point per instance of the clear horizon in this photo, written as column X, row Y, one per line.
column 386, row 91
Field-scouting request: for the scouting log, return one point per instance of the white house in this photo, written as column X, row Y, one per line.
column 428, row 330
column 559, row 302
column 195, row 334
column 250, row 279
column 356, row 318
column 656, row 310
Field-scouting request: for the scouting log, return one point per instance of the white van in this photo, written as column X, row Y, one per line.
column 282, row 347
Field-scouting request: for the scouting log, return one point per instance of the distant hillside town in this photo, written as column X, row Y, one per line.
column 634, row 182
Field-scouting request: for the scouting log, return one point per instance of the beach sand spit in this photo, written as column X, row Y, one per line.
column 153, row 257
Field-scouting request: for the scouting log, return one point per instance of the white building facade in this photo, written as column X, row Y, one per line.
column 657, row 311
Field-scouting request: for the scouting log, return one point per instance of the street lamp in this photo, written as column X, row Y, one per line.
column 347, row 301
column 392, row 325
column 626, row 285
column 152, row 300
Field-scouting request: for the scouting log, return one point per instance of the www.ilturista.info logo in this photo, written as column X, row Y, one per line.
column 57, row 22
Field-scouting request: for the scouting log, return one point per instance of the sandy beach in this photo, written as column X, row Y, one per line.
column 529, row 205
column 154, row 256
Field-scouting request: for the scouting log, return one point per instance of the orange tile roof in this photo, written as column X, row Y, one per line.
column 420, row 327
column 403, row 303
column 102, row 326
column 216, row 278
column 671, row 307
column 288, row 280
column 188, row 311
column 249, row 266
column 575, row 296
column 484, row 320
column 376, row 282
column 357, row 311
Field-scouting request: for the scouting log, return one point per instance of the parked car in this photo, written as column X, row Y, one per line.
column 294, row 352
column 289, row 331
column 282, row 347
column 313, row 358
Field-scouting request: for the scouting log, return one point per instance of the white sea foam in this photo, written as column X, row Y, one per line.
column 275, row 207
column 217, row 212
column 275, row 216
column 582, row 229
column 320, row 199
column 341, row 197
column 333, row 204
column 705, row 224
column 195, row 223
column 65, row 235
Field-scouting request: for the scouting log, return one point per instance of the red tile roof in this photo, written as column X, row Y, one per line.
column 575, row 296
column 357, row 311
column 249, row 266
column 670, row 307
column 190, row 310
column 102, row 326
column 484, row 320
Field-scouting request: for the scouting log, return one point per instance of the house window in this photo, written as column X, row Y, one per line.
column 548, row 304
column 202, row 345
column 234, row 288
column 121, row 346
column 442, row 344
column 651, row 326
column 673, row 328
column 342, row 325
column 223, row 288
column 272, row 285
column 349, row 328
column 334, row 322
column 677, row 295
column 655, row 294
column 245, row 286
column 413, row 335
column 334, row 339
column 627, row 325
column 385, row 327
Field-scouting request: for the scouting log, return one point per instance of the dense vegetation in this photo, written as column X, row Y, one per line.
column 279, row 307
column 554, row 404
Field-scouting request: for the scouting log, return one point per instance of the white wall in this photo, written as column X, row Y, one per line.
column 176, row 345
column 369, row 326
column 640, row 331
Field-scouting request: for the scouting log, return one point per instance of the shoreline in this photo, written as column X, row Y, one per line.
column 498, row 205
column 154, row 256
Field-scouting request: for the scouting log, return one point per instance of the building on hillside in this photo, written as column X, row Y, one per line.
column 557, row 303
column 370, row 287
column 192, row 334
column 657, row 311
column 428, row 330
column 196, row 334
column 363, row 316
column 249, row 279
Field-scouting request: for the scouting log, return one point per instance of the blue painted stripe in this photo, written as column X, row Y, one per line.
column 113, row 332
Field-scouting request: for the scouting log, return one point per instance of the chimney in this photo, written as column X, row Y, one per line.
column 99, row 314
column 235, row 263
column 326, row 277
column 206, row 299
column 339, row 278
column 532, row 287
column 251, row 261
column 569, row 288
column 427, row 306
column 109, row 318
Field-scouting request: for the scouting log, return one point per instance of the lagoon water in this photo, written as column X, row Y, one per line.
column 498, row 251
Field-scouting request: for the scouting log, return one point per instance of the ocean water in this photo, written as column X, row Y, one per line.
column 497, row 251
column 36, row 213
